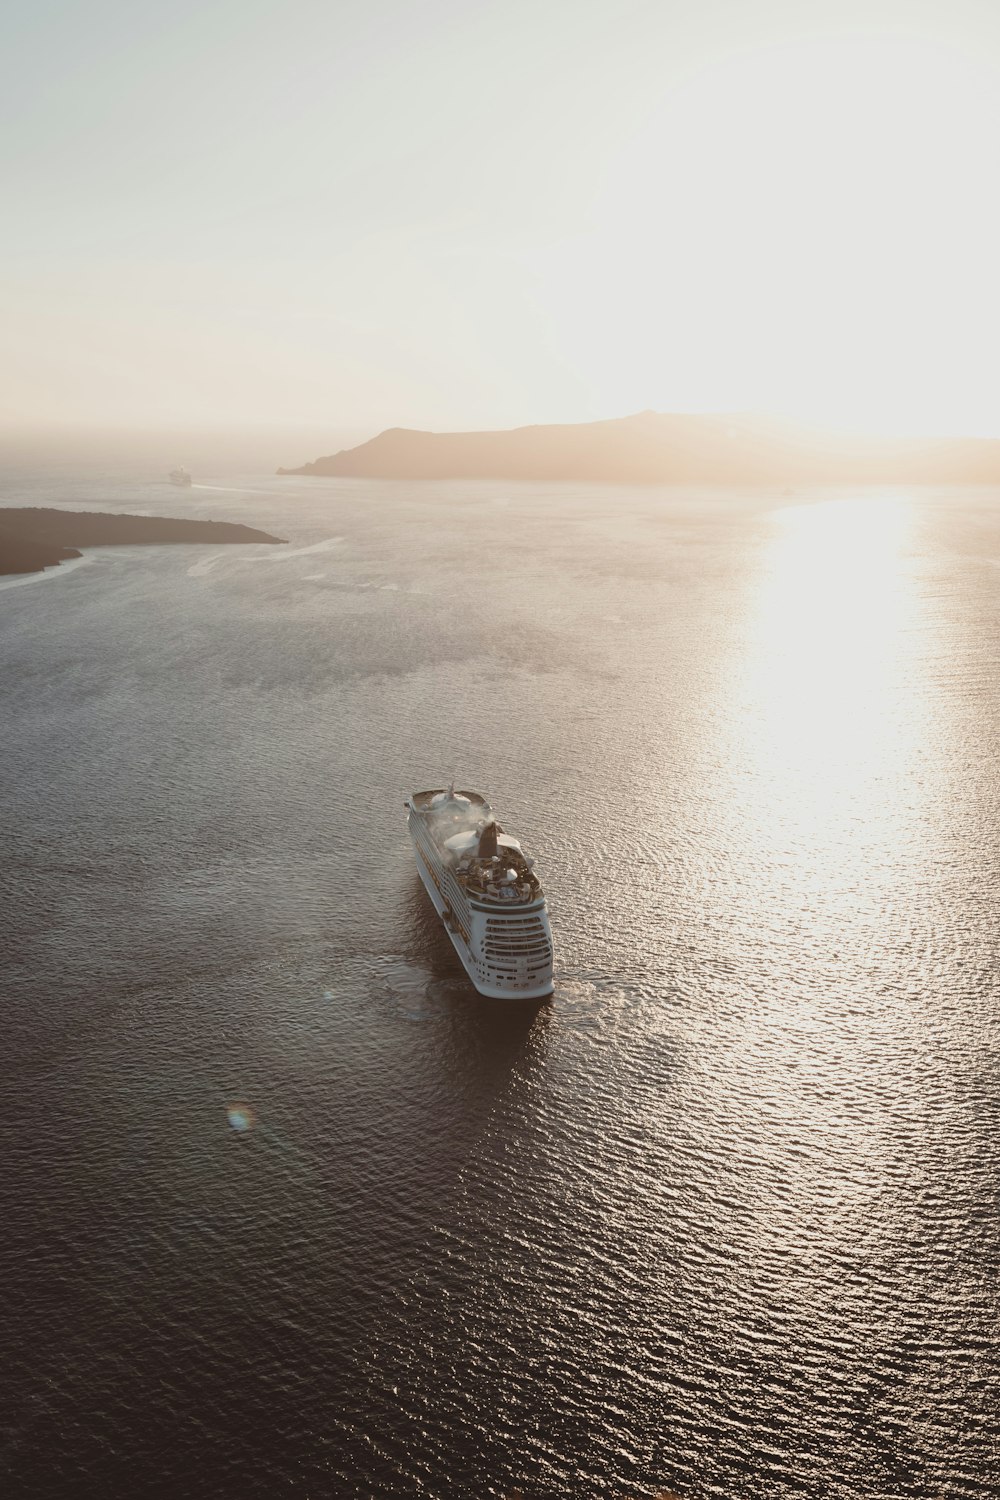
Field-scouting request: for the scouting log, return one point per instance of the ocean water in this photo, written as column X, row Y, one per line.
column 288, row 1210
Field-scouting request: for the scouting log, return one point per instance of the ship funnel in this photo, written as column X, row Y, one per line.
column 488, row 840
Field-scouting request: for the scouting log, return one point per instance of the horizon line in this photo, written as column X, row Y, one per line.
column 249, row 426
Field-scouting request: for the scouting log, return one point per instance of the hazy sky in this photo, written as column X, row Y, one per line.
column 456, row 214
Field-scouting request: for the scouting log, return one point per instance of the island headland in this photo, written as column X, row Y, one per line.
column 663, row 448
column 33, row 538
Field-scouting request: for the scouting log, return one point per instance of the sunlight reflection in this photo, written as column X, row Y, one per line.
column 822, row 879
column 830, row 728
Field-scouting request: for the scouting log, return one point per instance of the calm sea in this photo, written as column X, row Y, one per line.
column 287, row 1210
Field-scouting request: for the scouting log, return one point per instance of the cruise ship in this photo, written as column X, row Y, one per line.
column 485, row 890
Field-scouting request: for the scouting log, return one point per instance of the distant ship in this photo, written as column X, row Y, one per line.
column 485, row 890
column 179, row 476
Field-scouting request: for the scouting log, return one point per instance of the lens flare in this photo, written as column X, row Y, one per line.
column 241, row 1117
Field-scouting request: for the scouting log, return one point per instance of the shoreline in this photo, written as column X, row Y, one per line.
column 36, row 538
column 54, row 570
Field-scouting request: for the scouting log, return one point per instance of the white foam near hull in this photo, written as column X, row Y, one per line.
column 513, row 990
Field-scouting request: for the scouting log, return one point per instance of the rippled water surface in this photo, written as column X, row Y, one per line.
column 287, row 1209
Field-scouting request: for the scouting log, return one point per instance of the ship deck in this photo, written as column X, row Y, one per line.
column 478, row 883
column 422, row 800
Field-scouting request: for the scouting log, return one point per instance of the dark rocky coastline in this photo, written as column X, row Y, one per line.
column 33, row 538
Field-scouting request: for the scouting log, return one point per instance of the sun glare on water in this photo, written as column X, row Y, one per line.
column 826, row 678
column 825, row 784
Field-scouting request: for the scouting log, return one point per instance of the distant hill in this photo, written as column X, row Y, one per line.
column 655, row 447
column 33, row 538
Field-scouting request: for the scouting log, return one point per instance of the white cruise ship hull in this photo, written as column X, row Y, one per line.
column 505, row 950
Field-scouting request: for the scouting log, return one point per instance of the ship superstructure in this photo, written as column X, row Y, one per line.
column 486, row 892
